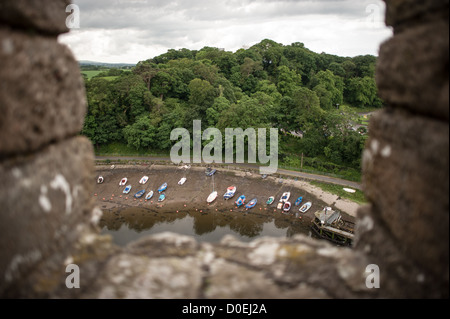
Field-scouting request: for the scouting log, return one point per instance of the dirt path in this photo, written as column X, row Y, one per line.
column 314, row 177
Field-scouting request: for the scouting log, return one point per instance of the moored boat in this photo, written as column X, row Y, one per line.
column 127, row 189
column 251, row 203
column 240, row 201
column 287, row 206
column 210, row 172
column 270, row 200
column 230, row 192
column 182, row 181
column 143, row 180
column 298, row 201
column 211, row 197
column 161, row 198
column 100, row 179
column 149, row 195
column 285, row 197
column 305, row 207
column 139, row 194
column 123, row 181
column 162, row 188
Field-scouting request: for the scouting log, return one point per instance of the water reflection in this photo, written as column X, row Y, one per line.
column 129, row 224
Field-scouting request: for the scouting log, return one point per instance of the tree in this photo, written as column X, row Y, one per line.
column 287, row 80
column 214, row 112
column 329, row 88
column 362, row 92
column 201, row 96
column 141, row 134
column 249, row 67
column 147, row 71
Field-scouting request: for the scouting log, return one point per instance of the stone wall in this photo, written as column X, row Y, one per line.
column 48, row 219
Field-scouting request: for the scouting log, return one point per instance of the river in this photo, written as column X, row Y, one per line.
column 128, row 224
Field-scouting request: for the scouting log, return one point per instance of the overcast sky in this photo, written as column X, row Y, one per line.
column 129, row 31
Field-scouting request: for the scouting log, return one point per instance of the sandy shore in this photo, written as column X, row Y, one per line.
column 192, row 195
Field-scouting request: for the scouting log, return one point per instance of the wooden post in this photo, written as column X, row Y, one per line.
column 301, row 165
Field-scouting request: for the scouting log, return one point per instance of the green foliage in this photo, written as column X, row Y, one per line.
column 267, row 85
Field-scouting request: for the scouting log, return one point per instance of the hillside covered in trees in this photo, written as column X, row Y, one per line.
column 267, row 85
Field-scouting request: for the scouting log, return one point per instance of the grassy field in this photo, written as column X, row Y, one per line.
column 91, row 74
column 121, row 149
column 357, row 197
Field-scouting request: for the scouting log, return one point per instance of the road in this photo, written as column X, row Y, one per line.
column 314, row 177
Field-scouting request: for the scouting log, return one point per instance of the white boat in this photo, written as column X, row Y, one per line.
column 285, row 197
column 211, row 197
column 182, row 181
column 349, row 190
column 127, row 189
column 280, row 205
column 230, row 192
column 305, row 207
column 100, row 180
column 149, row 195
column 123, row 181
column 287, row 206
column 143, row 180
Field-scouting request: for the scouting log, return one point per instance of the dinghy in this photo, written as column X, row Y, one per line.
column 143, row 180
column 270, row 200
column 230, row 192
column 182, row 181
column 211, row 197
column 240, row 201
column 127, row 189
column 251, row 203
column 285, row 197
column 123, row 181
column 161, row 198
column 100, row 179
column 280, row 205
column 210, row 172
column 287, row 207
column 162, row 188
column 149, row 195
column 298, row 201
column 139, row 194
column 305, row 207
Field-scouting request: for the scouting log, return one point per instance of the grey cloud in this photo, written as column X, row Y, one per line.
column 156, row 13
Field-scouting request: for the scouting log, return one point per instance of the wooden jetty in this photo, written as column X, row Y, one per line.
column 328, row 224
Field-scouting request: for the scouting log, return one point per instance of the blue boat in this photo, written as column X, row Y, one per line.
column 161, row 198
column 210, row 172
column 127, row 189
column 240, row 201
column 162, row 188
column 251, row 203
column 298, row 201
column 139, row 194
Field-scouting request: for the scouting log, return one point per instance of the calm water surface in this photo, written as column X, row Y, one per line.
column 126, row 225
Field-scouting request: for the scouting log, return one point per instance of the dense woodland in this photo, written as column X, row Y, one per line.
column 267, row 85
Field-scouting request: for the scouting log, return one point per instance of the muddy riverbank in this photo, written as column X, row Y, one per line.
column 187, row 203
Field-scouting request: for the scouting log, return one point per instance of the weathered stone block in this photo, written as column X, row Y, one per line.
column 400, row 277
column 46, row 16
column 42, row 95
column 46, row 201
column 413, row 74
column 406, row 178
column 407, row 13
